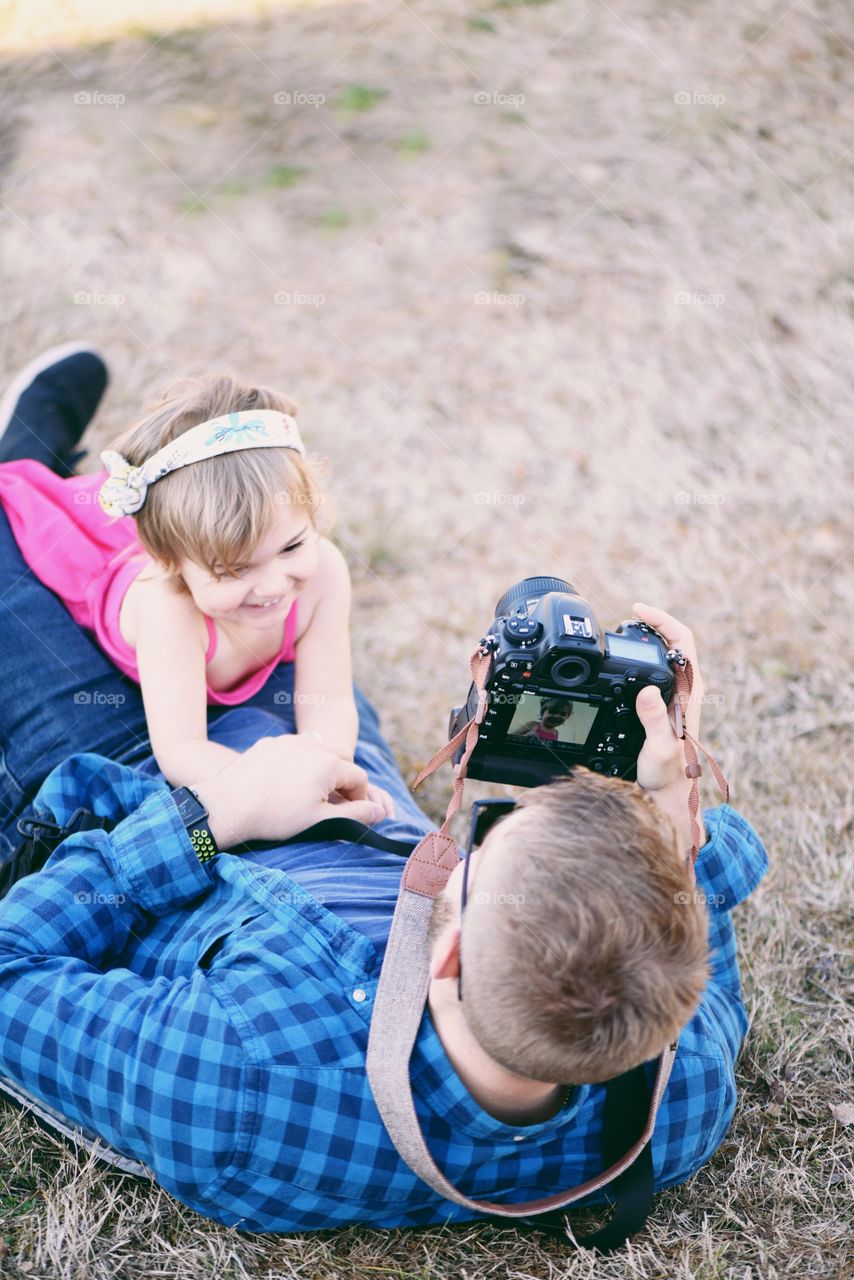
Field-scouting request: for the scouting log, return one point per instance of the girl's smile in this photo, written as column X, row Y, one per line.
column 262, row 591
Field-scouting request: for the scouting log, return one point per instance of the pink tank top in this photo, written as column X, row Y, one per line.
column 89, row 560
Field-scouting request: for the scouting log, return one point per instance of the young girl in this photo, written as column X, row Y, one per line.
column 198, row 563
column 553, row 713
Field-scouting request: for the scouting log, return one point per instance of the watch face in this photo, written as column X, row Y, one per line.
column 189, row 806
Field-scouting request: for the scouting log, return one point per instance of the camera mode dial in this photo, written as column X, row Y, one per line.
column 522, row 631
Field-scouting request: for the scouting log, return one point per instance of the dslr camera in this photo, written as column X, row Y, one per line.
column 560, row 691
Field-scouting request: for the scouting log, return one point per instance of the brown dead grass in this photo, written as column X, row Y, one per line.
column 691, row 453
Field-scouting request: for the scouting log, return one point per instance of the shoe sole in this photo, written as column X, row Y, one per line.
column 30, row 372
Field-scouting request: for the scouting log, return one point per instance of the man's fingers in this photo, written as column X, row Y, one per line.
column 381, row 797
column 676, row 633
column 349, row 779
column 677, row 636
column 366, row 811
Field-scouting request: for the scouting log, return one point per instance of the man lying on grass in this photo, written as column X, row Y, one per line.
column 208, row 1014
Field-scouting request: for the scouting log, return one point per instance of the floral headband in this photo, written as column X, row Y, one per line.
column 123, row 492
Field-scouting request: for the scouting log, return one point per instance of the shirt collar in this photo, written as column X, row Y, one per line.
column 436, row 1082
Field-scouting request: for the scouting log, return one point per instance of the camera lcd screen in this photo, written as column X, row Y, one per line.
column 547, row 721
column 634, row 650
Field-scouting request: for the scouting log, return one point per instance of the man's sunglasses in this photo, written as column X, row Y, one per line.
column 484, row 815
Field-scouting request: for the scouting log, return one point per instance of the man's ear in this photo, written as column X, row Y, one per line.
column 445, row 960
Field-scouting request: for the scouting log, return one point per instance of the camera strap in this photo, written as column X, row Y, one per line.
column 399, row 1006
column 684, row 673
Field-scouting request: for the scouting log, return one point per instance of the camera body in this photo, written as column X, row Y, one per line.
column 560, row 691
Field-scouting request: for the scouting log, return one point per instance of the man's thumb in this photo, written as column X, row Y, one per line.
column 650, row 707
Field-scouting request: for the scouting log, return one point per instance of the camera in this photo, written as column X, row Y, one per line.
column 560, row 692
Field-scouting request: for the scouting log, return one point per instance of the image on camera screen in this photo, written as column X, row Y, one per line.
column 543, row 721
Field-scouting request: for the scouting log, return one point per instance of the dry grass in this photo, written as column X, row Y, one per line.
column 690, row 453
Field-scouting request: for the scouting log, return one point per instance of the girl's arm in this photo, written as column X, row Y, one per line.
column 323, row 675
column 170, row 654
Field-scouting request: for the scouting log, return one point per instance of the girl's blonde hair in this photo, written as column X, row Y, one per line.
column 216, row 511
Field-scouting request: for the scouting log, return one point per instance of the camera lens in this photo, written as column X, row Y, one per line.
column 570, row 671
column 530, row 587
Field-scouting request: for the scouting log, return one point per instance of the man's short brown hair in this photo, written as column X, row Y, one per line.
column 584, row 946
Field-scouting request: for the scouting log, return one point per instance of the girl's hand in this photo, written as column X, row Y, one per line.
column 329, row 743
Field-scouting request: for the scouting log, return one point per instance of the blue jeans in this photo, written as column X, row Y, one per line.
column 59, row 694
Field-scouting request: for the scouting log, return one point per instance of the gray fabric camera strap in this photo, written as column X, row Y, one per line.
column 402, row 995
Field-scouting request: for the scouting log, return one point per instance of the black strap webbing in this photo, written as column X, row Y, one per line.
column 354, row 833
column 627, row 1100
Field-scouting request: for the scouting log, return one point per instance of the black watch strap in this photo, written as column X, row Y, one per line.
column 194, row 816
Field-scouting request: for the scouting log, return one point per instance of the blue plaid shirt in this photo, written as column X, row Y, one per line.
column 212, row 1022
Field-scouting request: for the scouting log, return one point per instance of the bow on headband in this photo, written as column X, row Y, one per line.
column 123, row 493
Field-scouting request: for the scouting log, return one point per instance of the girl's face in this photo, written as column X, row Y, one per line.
column 265, row 588
column 552, row 717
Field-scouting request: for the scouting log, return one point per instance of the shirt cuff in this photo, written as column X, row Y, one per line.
column 732, row 861
column 155, row 857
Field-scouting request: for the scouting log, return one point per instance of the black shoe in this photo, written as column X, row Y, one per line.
column 49, row 405
column 41, row 837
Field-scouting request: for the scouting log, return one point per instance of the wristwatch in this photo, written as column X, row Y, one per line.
column 194, row 816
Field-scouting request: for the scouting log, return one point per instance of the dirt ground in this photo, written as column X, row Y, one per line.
column 560, row 289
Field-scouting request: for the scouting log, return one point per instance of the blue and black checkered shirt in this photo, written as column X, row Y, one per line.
column 212, row 1021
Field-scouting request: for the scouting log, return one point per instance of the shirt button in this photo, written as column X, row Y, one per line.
column 359, row 995
column 520, row 1137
